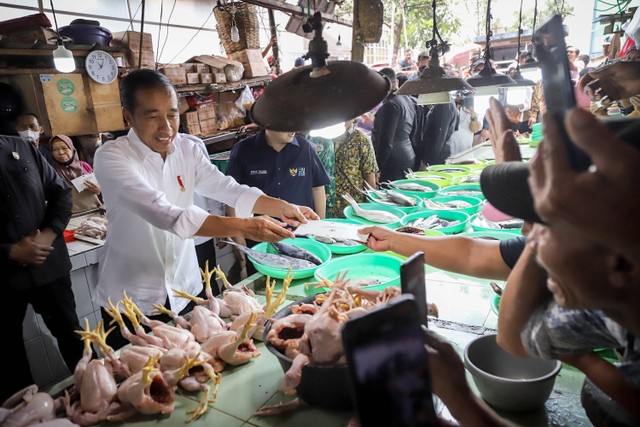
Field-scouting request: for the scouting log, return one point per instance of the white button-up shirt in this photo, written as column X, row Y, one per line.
column 149, row 203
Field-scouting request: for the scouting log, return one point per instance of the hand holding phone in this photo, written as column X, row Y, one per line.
column 388, row 366
column 412, row 281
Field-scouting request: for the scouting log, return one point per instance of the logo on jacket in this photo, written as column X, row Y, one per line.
column 297, row 171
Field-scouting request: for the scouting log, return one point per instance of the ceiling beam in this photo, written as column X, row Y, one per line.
column 296, row 10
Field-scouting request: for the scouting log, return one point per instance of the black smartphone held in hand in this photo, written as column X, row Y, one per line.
column 412, row 281
column 557, row 86
column 388, row 366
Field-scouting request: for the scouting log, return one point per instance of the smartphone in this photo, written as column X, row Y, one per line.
column 412, row 281
column 388, row 368
column 556, row 82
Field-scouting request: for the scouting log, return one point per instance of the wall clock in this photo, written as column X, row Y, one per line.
column 101, row 67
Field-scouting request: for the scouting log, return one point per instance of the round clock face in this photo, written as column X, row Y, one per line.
column 101, row 67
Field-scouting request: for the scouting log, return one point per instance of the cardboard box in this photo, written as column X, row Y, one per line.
column 202, row 68
column 37, row 35
column 193, row 78
column 193, row 129
column 183, row 105
column 190, row 117
column 252, row 62
column 206, row 78
column 233, row 70
column 175, row 73
column 206, row 111
column 219, row 78
column 208, row 127
column 190, row 67
column 130, row 40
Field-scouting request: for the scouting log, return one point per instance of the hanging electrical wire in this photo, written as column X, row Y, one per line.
column 193, row 37
column 166, row 38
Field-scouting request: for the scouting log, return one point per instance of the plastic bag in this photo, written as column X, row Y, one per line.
column 245, row 100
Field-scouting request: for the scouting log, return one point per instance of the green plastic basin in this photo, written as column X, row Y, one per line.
column 440, row 178
column 383, row 267
column 476, row 227
column 454, row 170
column 341, row 249
column 318, row 249
column 474, row 188
column 348, row 212
column 447, row 215
column 430, row 189
column 475, row 202
column 491, row 234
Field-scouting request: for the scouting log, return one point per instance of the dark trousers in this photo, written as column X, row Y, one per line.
column 54, row 301
column 115, row 338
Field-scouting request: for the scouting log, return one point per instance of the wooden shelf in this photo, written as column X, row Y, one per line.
column 23, row 49
column 223, row 87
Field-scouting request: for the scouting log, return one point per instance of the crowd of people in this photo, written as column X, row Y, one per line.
column 577, row 268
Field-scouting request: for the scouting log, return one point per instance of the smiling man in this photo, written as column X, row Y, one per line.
column 148, row 179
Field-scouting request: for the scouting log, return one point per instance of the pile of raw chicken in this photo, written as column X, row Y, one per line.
column 312, row 333
column 143, row 377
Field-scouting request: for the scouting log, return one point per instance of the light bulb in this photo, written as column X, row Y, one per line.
column 63, row 59
column 329, row 132
column 235, row 34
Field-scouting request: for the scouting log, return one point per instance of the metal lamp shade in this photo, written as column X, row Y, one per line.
column 298, row 101
column 433, row 89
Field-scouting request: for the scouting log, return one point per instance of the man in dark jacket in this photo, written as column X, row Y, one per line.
column 434, row 126
column 35, row 264
column 391, row 132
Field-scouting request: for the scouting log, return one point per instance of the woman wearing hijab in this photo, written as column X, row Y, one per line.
column 69, row 167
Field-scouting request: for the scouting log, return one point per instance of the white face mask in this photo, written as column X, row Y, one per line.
column 29, row 136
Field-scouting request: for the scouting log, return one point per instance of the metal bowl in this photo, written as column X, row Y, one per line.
column 506, row 382
column 322, row 386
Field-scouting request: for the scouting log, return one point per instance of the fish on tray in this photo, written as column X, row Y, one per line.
column 336, row 241
column 378, row 216
column 295, row 252
column 453, row 204
column 510, row 224
column 273, row 260
column 408, row 186
column 388, row 197
column 433, row 221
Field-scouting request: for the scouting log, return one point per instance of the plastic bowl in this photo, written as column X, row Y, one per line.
column 440, row 178
column 474, row 188
column 475, row 227
column 454, row 170
column 322, row 386
column 385, row 268
column 87, row 34
column 348, row 212
column 506, row 382
column 495, row 304
column 318, row 249
column 430, row 189
column 472, row 177
column 448, row 215
column 341, row 249
column 404, row 209
column 470, row 210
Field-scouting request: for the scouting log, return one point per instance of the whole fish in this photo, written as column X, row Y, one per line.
column 401, row 199
column 273, row 260
column 336, row 241
column 408, row 186
column 381, row 217
column 389, row 197
column 296, row 252
column 453, row 204
column 463, row 193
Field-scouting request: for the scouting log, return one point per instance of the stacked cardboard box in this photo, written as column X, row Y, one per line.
column 252, row 62
column 175, row 73
column 198, row 73
column 131, row 41
column 207, row 118
column 191, row 122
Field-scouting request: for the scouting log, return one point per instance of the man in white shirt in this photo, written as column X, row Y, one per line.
column 148, row 181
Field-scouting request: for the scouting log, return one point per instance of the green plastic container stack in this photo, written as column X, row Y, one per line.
column 221, row 160
column 536, row 135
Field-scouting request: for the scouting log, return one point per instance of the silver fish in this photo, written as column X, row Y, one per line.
column 296, row 252
column 408, row 186
column 389, row 197
column 273, row 260
column 364, row 281
column 378, row 216
column 336, row 241
column 453, row 204
column 474, row 193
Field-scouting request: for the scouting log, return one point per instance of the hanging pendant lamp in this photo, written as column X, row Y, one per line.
column 321, row 94
column 434, row 86
column 518, row 78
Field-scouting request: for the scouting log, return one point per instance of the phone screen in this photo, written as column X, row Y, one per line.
column 388, row 366
column 557, row 86
column 412, row 281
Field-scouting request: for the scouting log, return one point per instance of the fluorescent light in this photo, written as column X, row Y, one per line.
column 329, row 132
